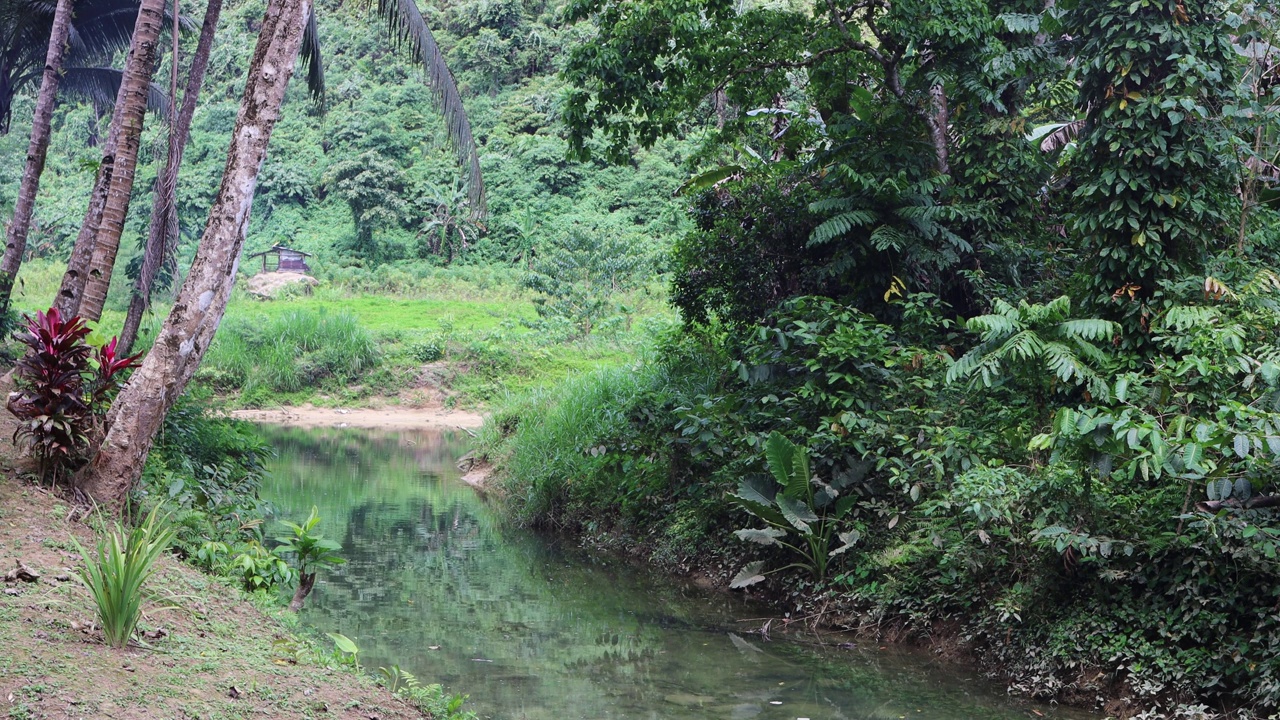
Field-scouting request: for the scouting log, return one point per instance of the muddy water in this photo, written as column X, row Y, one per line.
column 436, row 584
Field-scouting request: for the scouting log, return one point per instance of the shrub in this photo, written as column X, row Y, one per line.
column 115, row 576
column 64, row 386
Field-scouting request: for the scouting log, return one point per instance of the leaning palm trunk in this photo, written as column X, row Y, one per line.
column 16, row 244
column 83, row 292
column 140, row 408
column 164, row 213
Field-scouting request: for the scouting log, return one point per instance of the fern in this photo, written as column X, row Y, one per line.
column 839, row 225
column 1036, row 334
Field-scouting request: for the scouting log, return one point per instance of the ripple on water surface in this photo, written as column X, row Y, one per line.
column 436, row 584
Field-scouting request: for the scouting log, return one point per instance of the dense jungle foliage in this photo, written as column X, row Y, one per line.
column 980, row 326
column 980, row 332
column 370, row 182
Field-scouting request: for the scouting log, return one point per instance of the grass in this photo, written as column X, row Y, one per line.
column 357, row 338
column 554, row 441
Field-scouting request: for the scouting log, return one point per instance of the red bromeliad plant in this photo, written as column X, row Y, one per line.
column 64, row 387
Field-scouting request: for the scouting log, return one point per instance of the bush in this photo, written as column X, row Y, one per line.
column 115, row 576
column 299, row 349
column 64, row 386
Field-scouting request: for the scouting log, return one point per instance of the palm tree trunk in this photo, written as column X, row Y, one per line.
column 140, row 408
column 84, row 292
column 164, row 213
column 41, row 128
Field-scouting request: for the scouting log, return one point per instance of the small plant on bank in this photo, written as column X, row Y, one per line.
column 346, row 650
column 311, row 551
column 64, row 388
column 123, row 563
column 794, row 502
column 258, row 568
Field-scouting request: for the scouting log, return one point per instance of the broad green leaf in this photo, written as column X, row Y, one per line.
column 766, row 536
column 344, row 643
column 779, row 452
column 749, row 575
column 797, row 513
column 1241, row 445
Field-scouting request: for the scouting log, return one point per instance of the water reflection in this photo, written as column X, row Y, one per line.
column 435, row 584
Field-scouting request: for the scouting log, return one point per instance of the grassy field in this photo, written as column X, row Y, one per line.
column 446, row 336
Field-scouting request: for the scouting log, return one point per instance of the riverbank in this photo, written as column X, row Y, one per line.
column 379, row 418
column 210, row 653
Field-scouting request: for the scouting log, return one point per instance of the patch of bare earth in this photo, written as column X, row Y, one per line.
column 393, row 417
column 211, row 653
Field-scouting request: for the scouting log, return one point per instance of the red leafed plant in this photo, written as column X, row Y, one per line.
column 64, row 387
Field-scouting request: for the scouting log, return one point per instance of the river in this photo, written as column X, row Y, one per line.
column 437, row 584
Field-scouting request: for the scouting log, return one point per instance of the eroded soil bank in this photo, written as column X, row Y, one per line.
column 211, row 653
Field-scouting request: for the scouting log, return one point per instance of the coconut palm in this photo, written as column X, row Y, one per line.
column 140, row 408
column 99, row 29
column 73, row 29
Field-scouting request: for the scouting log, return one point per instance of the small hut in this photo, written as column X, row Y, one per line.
column 279, row 258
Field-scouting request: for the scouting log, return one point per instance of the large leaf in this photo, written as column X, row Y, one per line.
column 749, row 575
column 708, row 179
column 779, row 452
column 766, row 536
column 848, row 540
column 797, row 513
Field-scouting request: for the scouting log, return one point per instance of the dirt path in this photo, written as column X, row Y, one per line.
column 391, row 418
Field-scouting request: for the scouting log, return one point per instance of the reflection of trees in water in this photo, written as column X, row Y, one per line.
column 569, row 635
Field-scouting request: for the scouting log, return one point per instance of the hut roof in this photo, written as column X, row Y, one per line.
column 279, row 248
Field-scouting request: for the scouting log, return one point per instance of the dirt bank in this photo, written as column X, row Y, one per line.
column 211, row 653
column 390, row 418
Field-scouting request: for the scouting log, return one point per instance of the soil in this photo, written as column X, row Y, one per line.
column 208, row 653
column 393, row 418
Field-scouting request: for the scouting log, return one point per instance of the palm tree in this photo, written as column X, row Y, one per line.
column 140, row 408
column 164, row 211
column 41, row 127
column 78, row 32
column 99, row 237
column 99, row 29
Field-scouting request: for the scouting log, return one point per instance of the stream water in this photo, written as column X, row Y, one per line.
column 436, row 584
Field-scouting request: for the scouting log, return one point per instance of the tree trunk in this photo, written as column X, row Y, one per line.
column 41, row 128
column 131, row 108
column 306, row 581
column 164, row 213
column 140, row 408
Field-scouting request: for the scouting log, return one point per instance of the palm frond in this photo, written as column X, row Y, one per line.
column 313, row 60
column 101, row 85
column 407, row 27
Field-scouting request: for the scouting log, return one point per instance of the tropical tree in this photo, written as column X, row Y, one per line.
column 140, row 408
column 99, row 237
column 41, row 127
column 100, row 29
column 164, row 211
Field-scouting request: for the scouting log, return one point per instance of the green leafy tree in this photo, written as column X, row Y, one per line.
column 373, row 187
column 1034, row 338
column 1153, row 168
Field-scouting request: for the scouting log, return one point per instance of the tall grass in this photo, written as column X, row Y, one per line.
column 555, row 442
column 115, row 576
column 287, row 353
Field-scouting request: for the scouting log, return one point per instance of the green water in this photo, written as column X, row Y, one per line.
column 437, row 584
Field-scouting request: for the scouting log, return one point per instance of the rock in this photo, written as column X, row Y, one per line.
column 23, row 573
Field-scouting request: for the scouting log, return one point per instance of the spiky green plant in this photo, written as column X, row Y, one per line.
column 1027, row 335
column 115, row 576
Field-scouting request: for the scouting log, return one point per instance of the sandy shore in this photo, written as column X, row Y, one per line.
column 394, row 418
